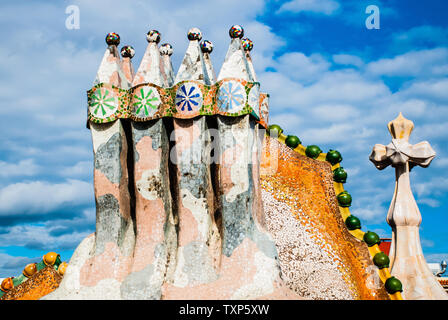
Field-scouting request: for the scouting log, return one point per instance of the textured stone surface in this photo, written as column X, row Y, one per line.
column 151, row 69
column 110, row 70
column 104, row 258
column 250, row 66
column 319, row 258
column 111, row 186
column 128, row 70
column 193, row 65
column 71, row 287
column 209, row 67
column 249, row 252
column 235, row 64
column 156, row 239
column 39, row 285
column 198, row 236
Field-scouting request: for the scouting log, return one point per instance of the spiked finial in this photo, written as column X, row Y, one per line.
column 151, row 69
column 400, row 127
column 248, row 45
column 207, row 48
column 110, row 70
column 166, row 50
column 193, row 66
column 127, row 53
column 235, row 64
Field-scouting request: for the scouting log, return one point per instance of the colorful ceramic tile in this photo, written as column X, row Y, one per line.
column 231, row 97
column 145, row 102
column 107, row 103
column 188, row 98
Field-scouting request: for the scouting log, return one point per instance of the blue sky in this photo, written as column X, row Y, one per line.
column 332, row 82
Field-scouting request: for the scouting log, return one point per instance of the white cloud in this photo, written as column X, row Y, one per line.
column 286, row 91
column 430, row 187
column 335, row 112
column 432, row 89
column 422, row 34
column 432, row 130
column 298, row 66
column 348, row 60
column 39, row 237
column 440, row 162
column 40, row 197
column 8, row 261
column 370, row 204
column 326, row 7
column 331, row 134
column 80, row 169
column 288, row 121
column 430, row 202
column 343, row 86
column 415, row 63
column 25, row 167
column 10, row 265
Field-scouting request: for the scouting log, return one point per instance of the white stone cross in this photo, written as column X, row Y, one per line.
column 407, row 261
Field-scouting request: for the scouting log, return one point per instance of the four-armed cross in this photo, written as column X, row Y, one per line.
column 408, row 262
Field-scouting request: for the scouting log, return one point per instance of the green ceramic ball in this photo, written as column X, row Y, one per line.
column 340, row 175
column 333, row 156
column 393, row 285
column 371, row 238
column 274, row 130
column 292, row 141
column 313, row 151
column 344, row 199
column 352, row 223
column 381, row 260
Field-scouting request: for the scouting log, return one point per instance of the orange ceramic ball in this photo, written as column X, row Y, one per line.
column 7, row 284
column 62, row 268
column 30, row 269
column 50, row 258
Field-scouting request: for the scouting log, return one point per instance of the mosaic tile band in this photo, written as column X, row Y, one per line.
column 187, row 99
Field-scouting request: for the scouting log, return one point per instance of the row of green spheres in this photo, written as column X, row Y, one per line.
column 381, row 260
column 311, row 151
